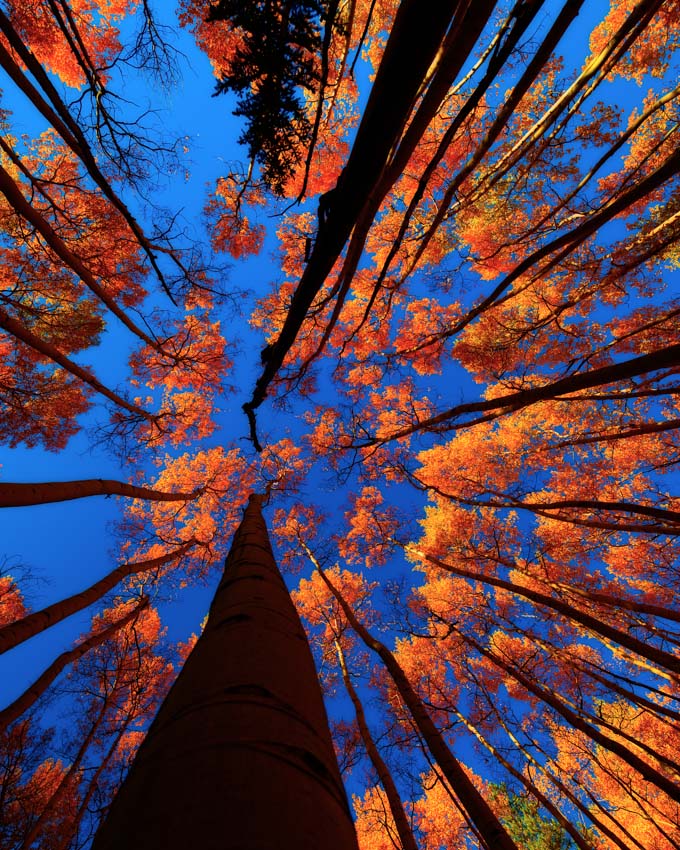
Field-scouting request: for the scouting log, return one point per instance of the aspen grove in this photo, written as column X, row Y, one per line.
column 411, row 366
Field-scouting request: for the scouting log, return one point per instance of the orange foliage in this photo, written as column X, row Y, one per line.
column 374, row 822
column 650, row 54
column 96, row 19
column 232, row 230
column 371, row 528
column 11, row 601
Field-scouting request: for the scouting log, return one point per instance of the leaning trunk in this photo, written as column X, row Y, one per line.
column 27, row 627
column 239, row 755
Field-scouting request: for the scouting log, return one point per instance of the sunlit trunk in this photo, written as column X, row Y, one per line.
column 550, row 698
column 399, row 816
column 239, row 755
column 47, row 349
column 594, row 624
column 490, row 829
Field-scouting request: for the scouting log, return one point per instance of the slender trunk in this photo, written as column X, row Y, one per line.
column 654, row 361
column 93, row 782
column 13, row 495
column 555, row 780
column 51, row 352
column 588, row 669
column 406, row 837
column 32, row 624
column 542, row 798
column 662, row 711
column 42, row 683
column 411, row 48
column 595, row 71
column 239, row 755
column 544, row 509
column 587, row 595
column 435, row 84
column 639, row 803
column 620, row 434
column 651, row 774
column 58, row 794
column 490, row 828
column 608, row 813
column 21, row 206
column 593, row 624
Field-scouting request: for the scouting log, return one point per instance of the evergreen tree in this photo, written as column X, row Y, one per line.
column 281, row 42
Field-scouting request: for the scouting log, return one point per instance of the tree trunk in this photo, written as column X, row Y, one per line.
column 69, row 778
column 411, row 49
column 42, row 683
column 51, row 352
column 24, row 209
column 239, row 755
column 14, row 495
column 593, row 624
column 550, row 698
column 32, row 624
column 654, row 361
column 491, row 830
column 401, row 823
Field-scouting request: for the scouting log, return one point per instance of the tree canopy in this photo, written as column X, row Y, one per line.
column 452, row 237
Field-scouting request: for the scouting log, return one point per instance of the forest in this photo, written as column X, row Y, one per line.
column 396, row 337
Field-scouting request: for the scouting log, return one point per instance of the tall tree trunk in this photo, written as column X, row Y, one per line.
column 51, row 352
column 69, row 779
column 590, row 622
column 399, row 816
column 24, row 209
column 491, row 830
column 239, row 755
column 550, row 698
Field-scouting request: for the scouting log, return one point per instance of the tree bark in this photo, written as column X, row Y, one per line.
column 411, row 49
column 32, row 624
column 401, row 823
column 491, row 830
column 51, row 352
column 58, row 116
column 239, row 755
column 647, row 771
column 42, row 683
column 14, row 495
column 593, row 624
column 21, row 206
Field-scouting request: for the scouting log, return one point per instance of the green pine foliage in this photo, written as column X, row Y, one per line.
column 526, row 825
column 281, row 40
